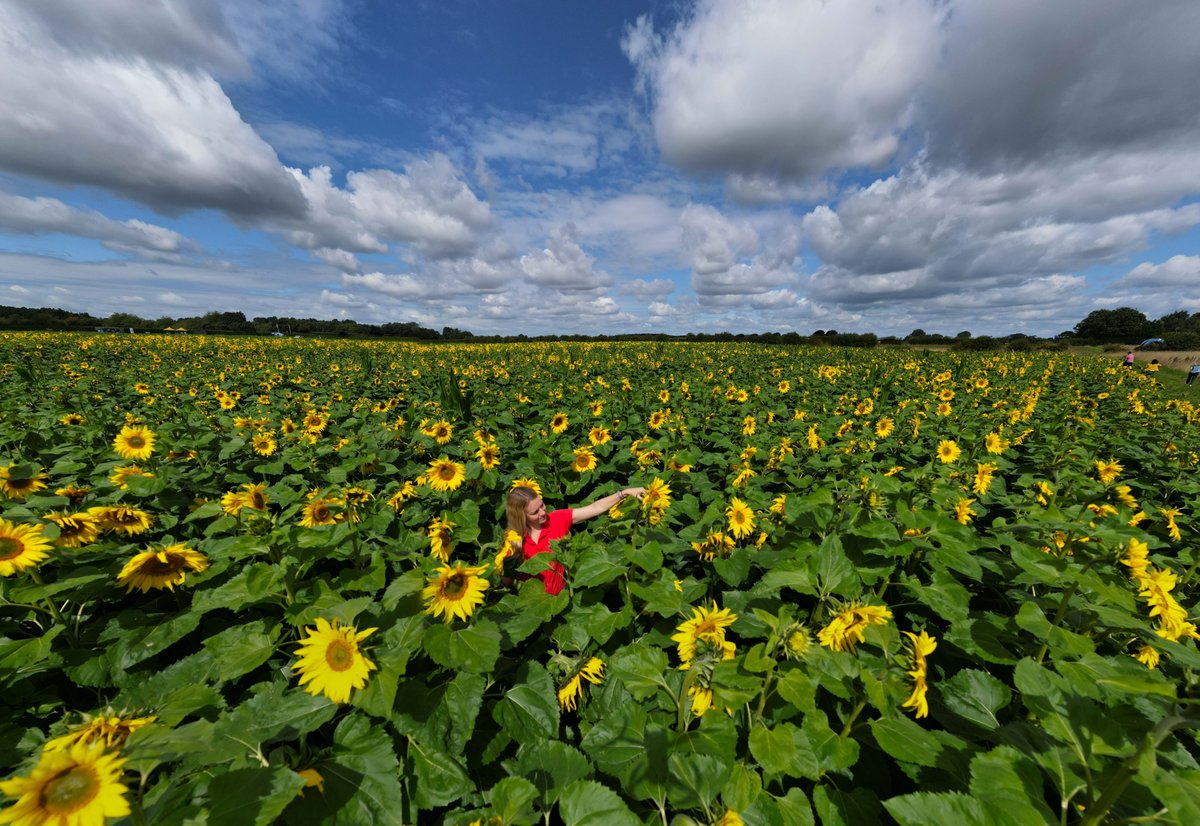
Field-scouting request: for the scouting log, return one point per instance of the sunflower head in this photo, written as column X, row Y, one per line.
column 445, row 475
column 76, row 785
column 161, row 568
column 134, row 442
column 454, row 591
column 18, row 481
column 21, row 547
column 331, row 661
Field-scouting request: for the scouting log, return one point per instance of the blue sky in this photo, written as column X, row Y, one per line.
column 568, row 166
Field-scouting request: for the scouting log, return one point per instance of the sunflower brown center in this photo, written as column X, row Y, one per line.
column 339, row 655
column 320, row 513
column 20, row 484
column 454, row 586
column 136, row 442
column 446, row 472
column 159, row 567
column 71, row 790
column 10, row 548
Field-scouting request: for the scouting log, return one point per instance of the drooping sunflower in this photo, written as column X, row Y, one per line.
column 75, row 529
column 994, row 443
column 21, row 547
column 20, row 486
column 161, row 568
column 948, row 451
column 121, row 475
column 75, row 493
column 599, row 435
column 445, row 475
column 72, row 419
column 108, row 730
column 584, row 460
column 454, row 591
column 963, row 514
column 134, row 443
column 706, row 625
column 847, row 628
column 120, row 519
column 571, row 690
column 741, row 518
column 331, row 661
column 404, row 492
column 923, row 645
column 77, row 786
column 440, row 533
column 488, row 456
column 715, row 544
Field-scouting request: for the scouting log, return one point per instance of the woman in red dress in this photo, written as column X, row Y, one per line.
column 527, row 516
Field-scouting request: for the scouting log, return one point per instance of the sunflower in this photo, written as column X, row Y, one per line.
column 20, row 486
column 984, row 471
column 440, row 532
column 134, row 443
column 714, row 545
column 993, row 443
column 72, row 419
column 445, row 475
column 405, row 491
column 312, row 778
column 597, row 408
column 322, row 510
column 488, row 456
column 73, row 492
column 962, row 511
column 21, row 547
column 454, row 592
column 847, row 628
column 74, row 529
column 508, row 546
column 572, row 689
column 948, row 451
column 441, row 432
column 584, row 460
column 331, row 662
column 121, row 475
column 741, row 518
column 797, row 641
column 559, row 422
column 161, row 568
column 110, row 731
column 923, row 646
column 657, row 419
column 120, row 519
column 599, row 436
column 263, row 444
column 526, row 483
column 884, row 427
column 1108, row 471
column 1147, row 656
column 77, row 786
column 706, row 625
column 657, row 496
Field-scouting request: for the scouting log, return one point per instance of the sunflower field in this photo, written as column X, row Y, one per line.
column 250, row 581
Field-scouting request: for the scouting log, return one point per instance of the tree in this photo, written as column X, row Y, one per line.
column 964, row 334
column 1122, row 324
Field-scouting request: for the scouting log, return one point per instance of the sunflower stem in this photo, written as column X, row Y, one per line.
column 682, row 705
column 853, row 716
column 762, row 697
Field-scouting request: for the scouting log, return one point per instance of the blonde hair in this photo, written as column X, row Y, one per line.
column 518, row 498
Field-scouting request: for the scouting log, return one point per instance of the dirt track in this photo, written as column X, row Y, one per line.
column 1175, row 359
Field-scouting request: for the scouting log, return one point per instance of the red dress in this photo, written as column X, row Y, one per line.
column 558, row 525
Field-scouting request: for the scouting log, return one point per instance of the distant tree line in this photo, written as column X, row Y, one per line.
column 1124, row 325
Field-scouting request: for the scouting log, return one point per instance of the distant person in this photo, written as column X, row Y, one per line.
column 1153, row 366
column 1129, row 359
column 1193, row 372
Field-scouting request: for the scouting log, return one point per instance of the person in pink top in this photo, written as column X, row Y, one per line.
column 527, row 516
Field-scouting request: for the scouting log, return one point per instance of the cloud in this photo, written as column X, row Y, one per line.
column 785, row 88
column 563, row 265
column 1024, row 80
column 19, row 290
column 713, row 243
column 1180, row 271
column 339, row 259
column 159, row 134
column 652, row 288
column 430, row 207
column 559, row 141
column 36, row 216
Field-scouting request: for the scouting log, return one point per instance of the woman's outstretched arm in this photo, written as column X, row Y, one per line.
column 604, row 503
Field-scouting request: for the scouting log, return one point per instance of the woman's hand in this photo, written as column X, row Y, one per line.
column 636, row 493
